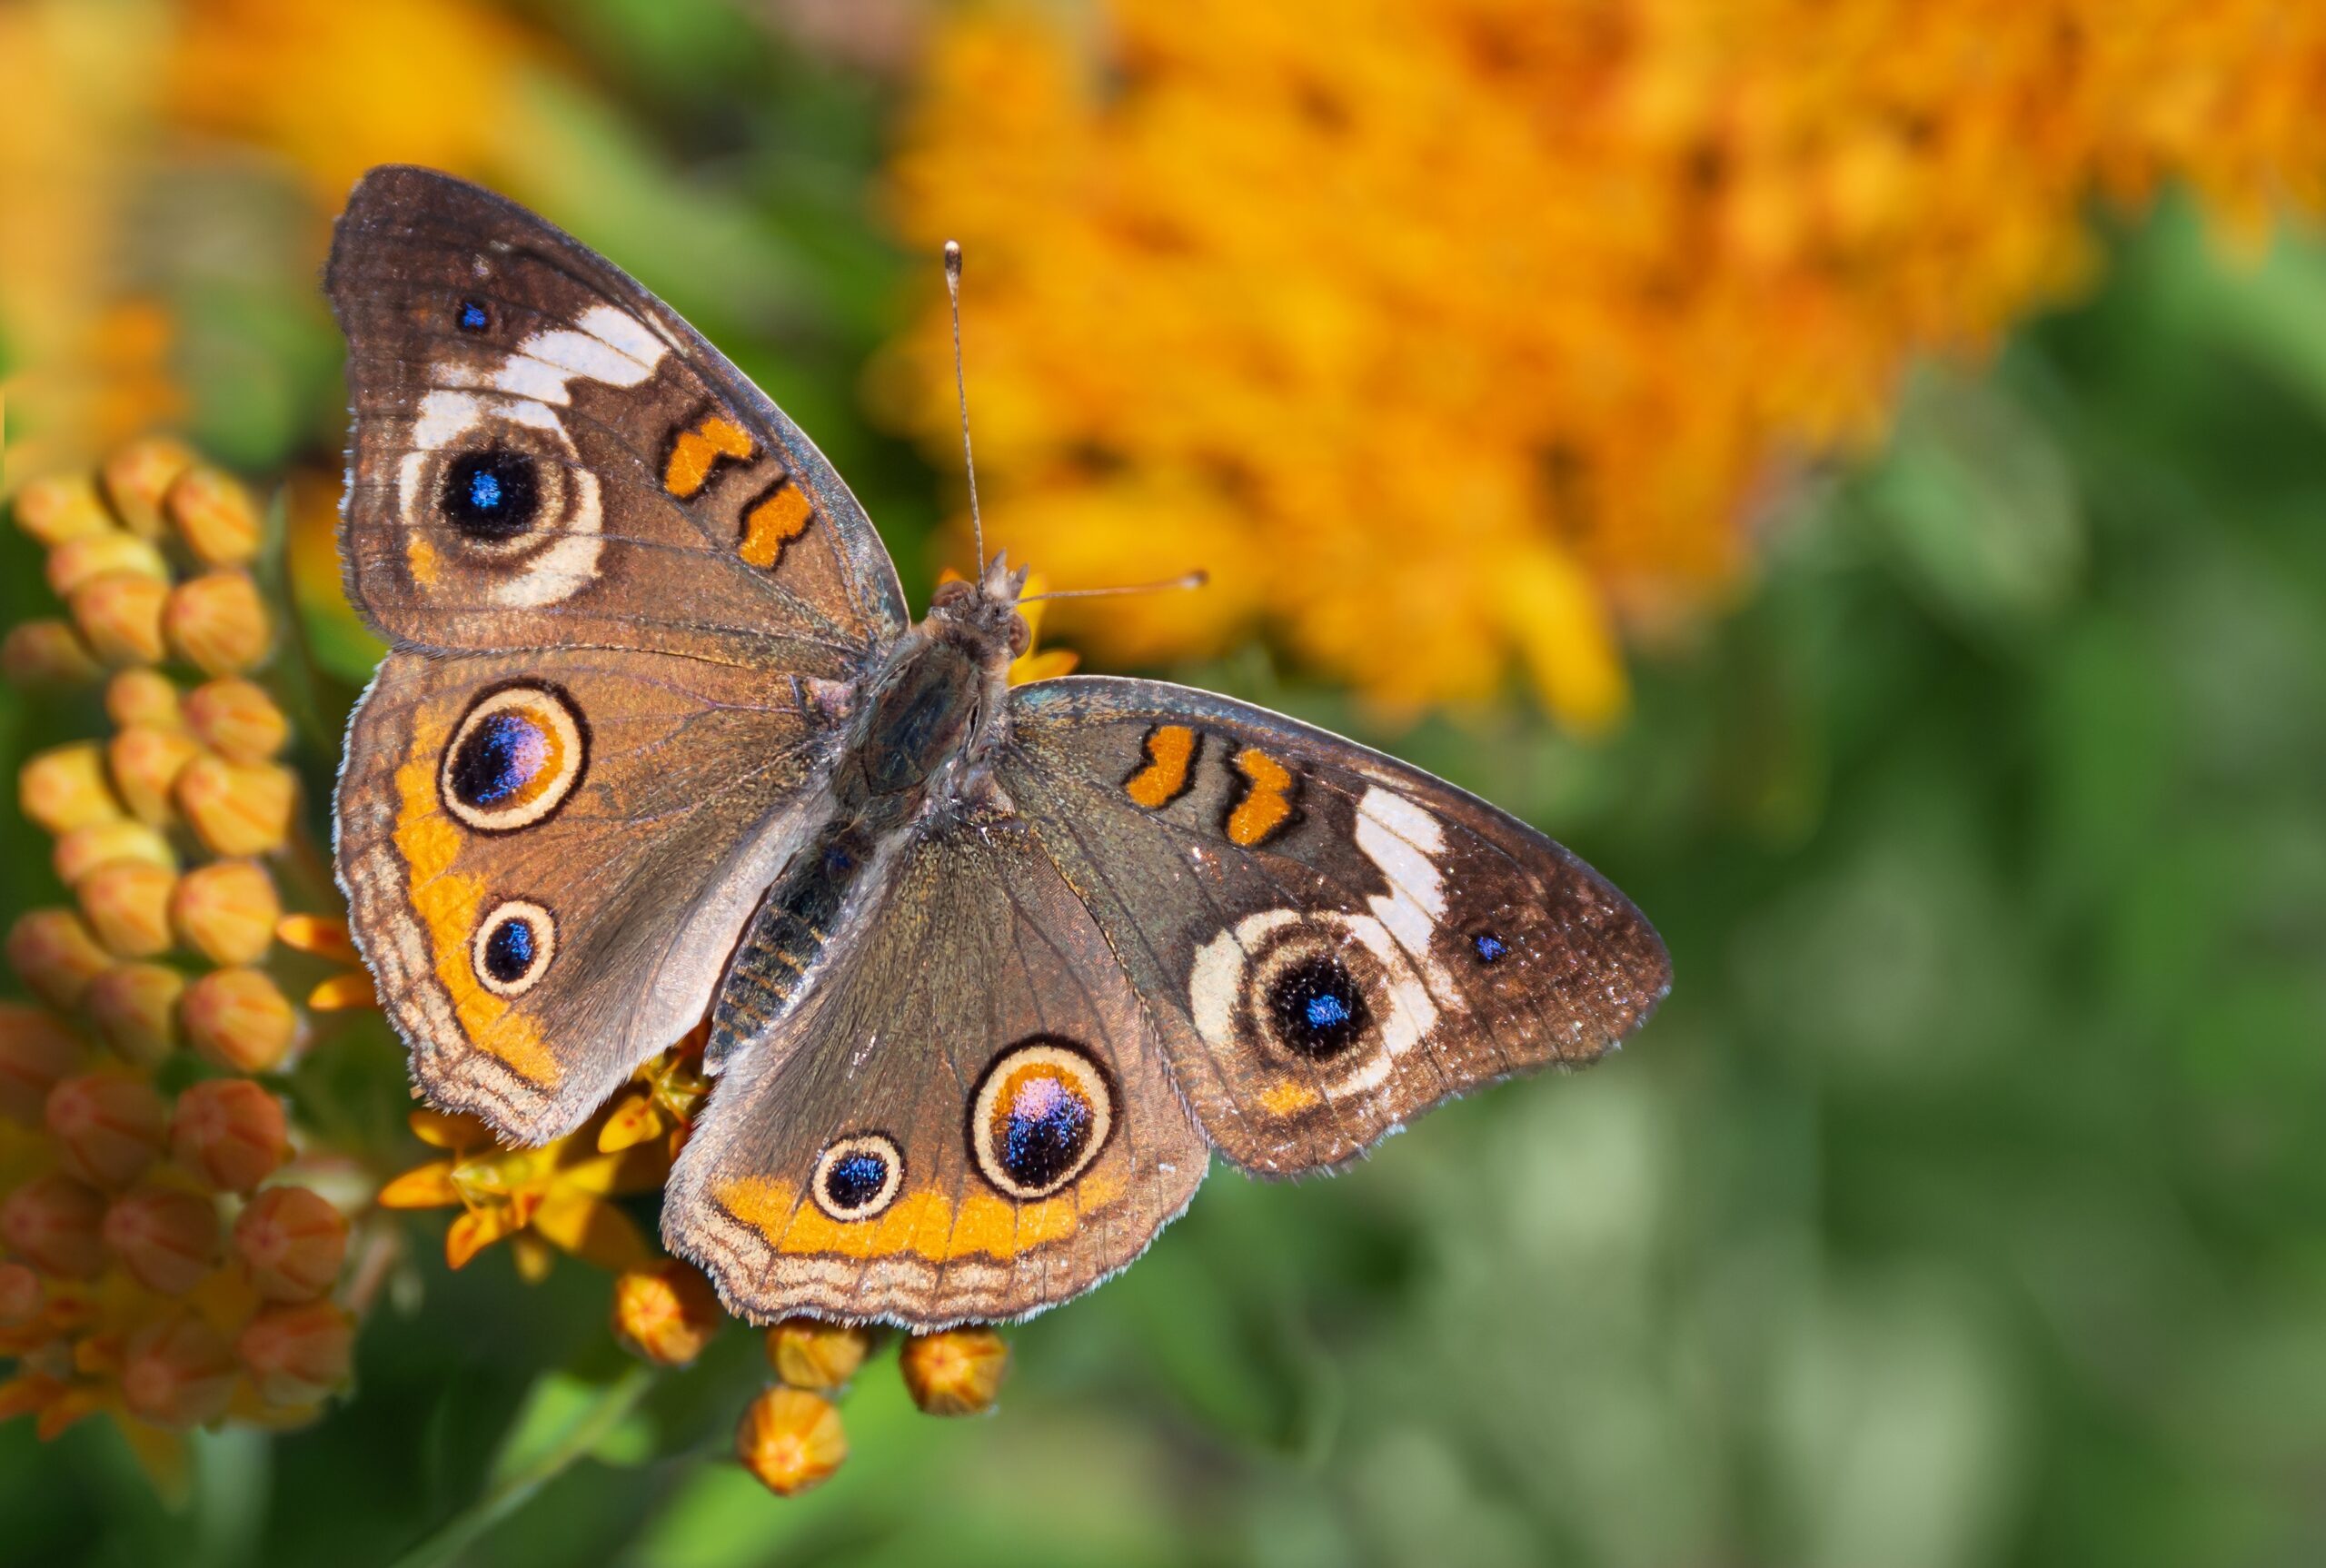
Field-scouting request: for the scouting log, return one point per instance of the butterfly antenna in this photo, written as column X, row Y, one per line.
column 1190, row 579
column 962, row 391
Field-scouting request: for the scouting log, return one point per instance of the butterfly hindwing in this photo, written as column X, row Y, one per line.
column 545, row 454
column 971, row 1117
column 1331, row 941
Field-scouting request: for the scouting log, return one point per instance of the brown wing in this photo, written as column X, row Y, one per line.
column 547, row 859
column 971, row 1117
column 544, row 455
column 1331, row 941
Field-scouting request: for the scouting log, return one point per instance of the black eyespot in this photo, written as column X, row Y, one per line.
column 1488, row 947
column 475, row 317
column 491, row 495
column 856, row 1178
column 510, row 948
column 1044, row 1128
column 1040, row 1115
column 505, row 754
column 1318, row 1007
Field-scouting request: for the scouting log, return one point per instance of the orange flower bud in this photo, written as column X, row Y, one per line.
column 293, row 1241
column 237, row 719
column 127, row 905
column 119, row 614
column 165, row 1238
column 790, row 1439
column 147, row 762
column 229, row 1133
column 84, row 849
column 135, row 1007
column 46, row 652
column 178, row 1370
column 67, row 787
column 238, row 1019
column 215, row 515
column 237, row 809
column 108, row 1127
column 139, row 474
column 142, row 697
column 666, row 1313
column 58, row 506
column 20, row 1296
column 298, row 1353
column 955, row 1371
column 82, row 560
column 226, row 911
column 35, row 1050
column 216, row 623
column 57, row 1224
column 808, row 1353
column 56, row 955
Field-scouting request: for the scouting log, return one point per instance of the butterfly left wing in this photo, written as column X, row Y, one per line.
column 1329, row 941
column 970, row 1117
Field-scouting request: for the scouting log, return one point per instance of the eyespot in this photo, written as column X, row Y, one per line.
column 857, row 1176
column 1040, row 1116
column 1488, row 947
column 493, row 495
column 473, row 317
column 512, row 948
column 514, row 759
column 1317, row 1007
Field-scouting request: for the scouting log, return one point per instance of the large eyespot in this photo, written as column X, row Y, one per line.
column 1040, row 1116
column 857, row 1176
column 1316, row 1007
column 1313, row 990
column 514, row 759
column 492, row 496
column 513, row 947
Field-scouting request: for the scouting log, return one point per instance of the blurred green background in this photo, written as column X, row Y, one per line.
column 1963, row 1206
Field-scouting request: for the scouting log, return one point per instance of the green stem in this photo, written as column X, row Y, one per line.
column 514, row 1490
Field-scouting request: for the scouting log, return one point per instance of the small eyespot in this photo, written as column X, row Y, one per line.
column 1317, row 1007
column 513, row 947
column 1489, row 948
column 492, row 496
column 513, row 758
column 474, row 316
column 1040, row 1116
column 859, row 1176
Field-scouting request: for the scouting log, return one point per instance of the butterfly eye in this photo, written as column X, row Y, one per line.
column 1040, row 1116
column 951, row 592
column 1021, row 636
column 857, row 1176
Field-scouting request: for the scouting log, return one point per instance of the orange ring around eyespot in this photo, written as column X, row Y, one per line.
column 515, row 758
column 1039, row 1079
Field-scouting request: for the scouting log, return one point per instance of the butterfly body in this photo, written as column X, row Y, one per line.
column 991, row 972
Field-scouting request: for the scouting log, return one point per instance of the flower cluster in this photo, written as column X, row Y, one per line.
column 172, row 1251
column 1449, row 335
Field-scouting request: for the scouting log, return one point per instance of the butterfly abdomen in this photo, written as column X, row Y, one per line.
column 784, row 948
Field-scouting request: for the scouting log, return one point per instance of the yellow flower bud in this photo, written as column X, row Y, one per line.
column 216, row 623
column 37, row 1050
column 84, row 849
column 955, row 1371
column 293, row 1241
column 237, row 719
column 807, row 1352
column 66, row 787
column 145, row 761
column 60, row 507
column 229, row 1133
column 119, row 614
column 666, row 1313
column 58, row 1224
column 226, row 911
column 139, row 474
column 238, row 1019
column 142, row 697
column 166, row 1239
column 54, row 952
column 127, row 905
column 215, row 515
column 297, row 1352
column 135, row 1009
column 84, row 560
column 237, row 809
column 107, row 1127
column 178, row 1372
column 790, row 1439
column 20, row 1296
column 46, row 652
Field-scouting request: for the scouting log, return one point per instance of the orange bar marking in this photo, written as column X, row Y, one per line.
column 774, row 524
column 1171, row 756
column 1267, row 806
column 698, row 451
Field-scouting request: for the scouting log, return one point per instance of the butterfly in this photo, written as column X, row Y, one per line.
column 989, row 972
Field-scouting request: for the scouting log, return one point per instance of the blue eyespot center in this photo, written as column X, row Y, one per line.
column 491, row 495
column 509, row 950
column 501, row 756
column 1488, row 947
column 856, row 1178
column 1046, row 1125
column 474, row 316
column 1317, row 1006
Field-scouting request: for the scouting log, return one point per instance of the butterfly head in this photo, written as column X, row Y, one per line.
column 982, row 616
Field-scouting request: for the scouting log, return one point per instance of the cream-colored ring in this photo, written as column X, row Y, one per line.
column 1078, row 1074
column 545, row 705
column 544, row 928
column 862, row 1143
